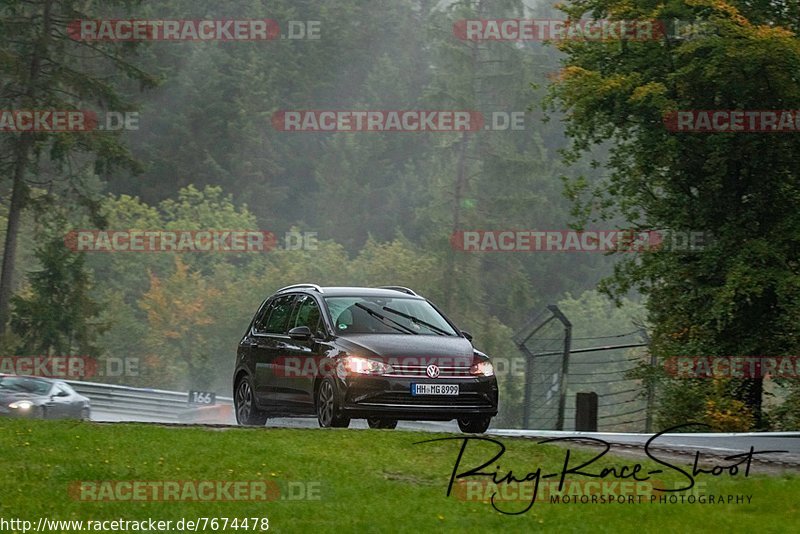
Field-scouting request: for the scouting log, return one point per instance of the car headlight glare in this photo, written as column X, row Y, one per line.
column 482, row 369
column 21, row 405
column 365, row 366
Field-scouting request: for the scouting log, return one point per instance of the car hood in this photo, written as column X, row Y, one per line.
column 440, row 350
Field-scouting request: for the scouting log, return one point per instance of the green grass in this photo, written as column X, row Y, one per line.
column 369, row 481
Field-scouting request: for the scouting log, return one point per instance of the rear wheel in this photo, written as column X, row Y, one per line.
column 328, row 406
column 377, row 422
column 245, row 404
column 474, row 425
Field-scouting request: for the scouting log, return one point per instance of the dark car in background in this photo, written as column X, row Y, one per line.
column 381, row 354
column 41, row 398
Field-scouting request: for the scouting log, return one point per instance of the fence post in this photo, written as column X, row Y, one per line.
column 651, row 395
column 526, row 414
column 586, row 412
column 562, row 386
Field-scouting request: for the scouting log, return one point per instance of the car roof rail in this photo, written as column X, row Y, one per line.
column 399, row 288
column 315, row 287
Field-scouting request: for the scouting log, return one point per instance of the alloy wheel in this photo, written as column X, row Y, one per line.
column 244, row 402
column 326, row 404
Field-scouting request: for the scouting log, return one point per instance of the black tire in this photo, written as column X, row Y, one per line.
column 474, row 425
column 86, row 414
column 41, row 413
column 376, row 422
column 245, row 405
column 329, row 407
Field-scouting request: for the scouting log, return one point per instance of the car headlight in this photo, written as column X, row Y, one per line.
column 482, row 369
column 365, row 366
column 21, row 405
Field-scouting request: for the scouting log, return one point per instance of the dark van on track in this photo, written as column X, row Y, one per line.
column 340, row 353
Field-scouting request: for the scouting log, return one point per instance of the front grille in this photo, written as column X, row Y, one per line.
column 420, row 371
column 407, row 399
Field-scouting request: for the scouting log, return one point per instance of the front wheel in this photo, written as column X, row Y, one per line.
column 376, row 422
column 474, row 425
column 86, row 414
column 328, row 406
column 245, row 405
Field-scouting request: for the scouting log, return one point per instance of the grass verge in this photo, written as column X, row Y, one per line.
column 345, row 480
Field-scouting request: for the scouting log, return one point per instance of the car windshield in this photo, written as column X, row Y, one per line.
column 24, row 384
column 382, row 315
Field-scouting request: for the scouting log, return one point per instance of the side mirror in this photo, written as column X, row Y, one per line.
column 467, row 335
column 300, row 333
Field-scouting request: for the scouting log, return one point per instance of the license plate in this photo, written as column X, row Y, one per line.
column 434, row 389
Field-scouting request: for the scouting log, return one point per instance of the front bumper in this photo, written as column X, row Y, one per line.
column 5, row 411
column 390, row 397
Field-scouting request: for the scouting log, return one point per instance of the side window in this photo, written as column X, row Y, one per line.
column 279, row 312
column 259, row 325
column 307, row 314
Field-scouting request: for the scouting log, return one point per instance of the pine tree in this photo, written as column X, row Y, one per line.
column 43, row 68
column 57, row 315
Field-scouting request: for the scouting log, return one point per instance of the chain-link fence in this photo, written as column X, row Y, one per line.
column 559, row 365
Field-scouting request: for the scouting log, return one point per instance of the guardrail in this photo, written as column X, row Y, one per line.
column 113, row 403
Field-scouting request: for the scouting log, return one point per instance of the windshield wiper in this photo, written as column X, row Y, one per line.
column 417, row 320
column 393, row 324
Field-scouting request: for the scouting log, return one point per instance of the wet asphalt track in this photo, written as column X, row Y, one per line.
column 719, row 444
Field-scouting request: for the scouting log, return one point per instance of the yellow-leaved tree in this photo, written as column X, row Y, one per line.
column 179, row 309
